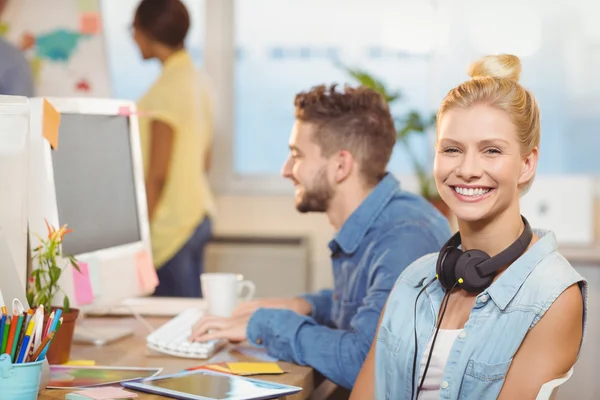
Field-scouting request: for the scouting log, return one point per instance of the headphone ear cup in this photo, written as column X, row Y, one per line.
column 466, row 268
column 446, row 266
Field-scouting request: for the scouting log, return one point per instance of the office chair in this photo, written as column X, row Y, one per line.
column 549, row 390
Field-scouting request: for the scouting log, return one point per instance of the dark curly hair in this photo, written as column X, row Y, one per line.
column 357, row 120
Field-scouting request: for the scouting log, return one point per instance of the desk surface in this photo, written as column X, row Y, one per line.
column 132, row 352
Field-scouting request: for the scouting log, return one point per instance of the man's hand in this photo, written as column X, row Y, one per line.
column 297, row 305
column 211, row 327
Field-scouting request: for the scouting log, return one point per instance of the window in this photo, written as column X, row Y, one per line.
column 286, row 46
column 131, row 76
column 423, row 49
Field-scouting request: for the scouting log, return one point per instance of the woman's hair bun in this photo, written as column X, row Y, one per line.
column 501, row 66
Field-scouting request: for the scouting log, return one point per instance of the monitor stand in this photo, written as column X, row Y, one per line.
column 91, row 333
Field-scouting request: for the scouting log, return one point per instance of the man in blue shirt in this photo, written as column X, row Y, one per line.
column 340, row 146
column 15, row 72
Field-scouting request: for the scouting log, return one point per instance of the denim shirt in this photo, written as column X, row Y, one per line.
column 483, row 351
column 386, row 233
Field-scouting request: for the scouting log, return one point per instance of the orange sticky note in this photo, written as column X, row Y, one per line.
column 51, row 122
column 82, row 284
column 254, row 368
column 148, row 280
column 90, row 23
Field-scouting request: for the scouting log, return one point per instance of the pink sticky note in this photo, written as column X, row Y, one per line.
column 147, row 277
column 82, row 284
column 90, row 23
column 124, row 110
column 106, row 393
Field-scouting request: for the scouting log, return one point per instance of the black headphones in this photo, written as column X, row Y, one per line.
column 474, row 270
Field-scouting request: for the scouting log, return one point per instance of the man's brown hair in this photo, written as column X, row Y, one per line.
column 357, row 120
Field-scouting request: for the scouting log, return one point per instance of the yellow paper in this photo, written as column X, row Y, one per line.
column 81, row 363
column 218, row 368
column 254, row 368
column 51, row 122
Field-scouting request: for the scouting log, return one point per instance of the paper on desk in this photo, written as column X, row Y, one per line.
column 105, row 393
column 254, row 368
column 50, row 124
column 147, row 278
column 213, row 367
column 84, row 363
column 82, row 284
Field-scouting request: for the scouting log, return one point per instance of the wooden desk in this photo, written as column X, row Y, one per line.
column 132, row 352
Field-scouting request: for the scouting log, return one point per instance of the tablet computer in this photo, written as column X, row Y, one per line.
column 211, row 385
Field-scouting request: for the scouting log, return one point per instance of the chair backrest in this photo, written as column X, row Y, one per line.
column 549, row 390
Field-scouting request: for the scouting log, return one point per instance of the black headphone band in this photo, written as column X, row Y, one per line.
column 505, row 257
column 508, row 255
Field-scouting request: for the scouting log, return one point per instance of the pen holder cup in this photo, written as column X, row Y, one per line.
column 19, row 381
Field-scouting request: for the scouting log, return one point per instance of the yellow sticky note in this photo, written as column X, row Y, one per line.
column 50, row 124
column 81, row 363
column 254, row 368
column 218, row 368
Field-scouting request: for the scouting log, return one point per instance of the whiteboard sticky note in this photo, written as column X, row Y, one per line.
column 90, row 23
column 87, row 5
column 82, row 285
column 148, row 280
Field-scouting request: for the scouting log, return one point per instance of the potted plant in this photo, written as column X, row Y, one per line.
column 43, row 289
column 411, row 123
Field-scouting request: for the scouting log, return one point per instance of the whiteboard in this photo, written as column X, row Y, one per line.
column 64, row 43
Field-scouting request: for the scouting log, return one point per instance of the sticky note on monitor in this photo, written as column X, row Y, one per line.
column 50, row 124
column 254, row 368
column 82, row 284
column 148, row 280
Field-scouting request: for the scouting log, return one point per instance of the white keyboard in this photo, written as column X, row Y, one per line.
column 172, row 337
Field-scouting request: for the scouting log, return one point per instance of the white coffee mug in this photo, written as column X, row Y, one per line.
column 223, row 292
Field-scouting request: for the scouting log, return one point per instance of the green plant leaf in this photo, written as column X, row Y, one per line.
column 30, row 297
column 66, row 304
column 368, row 80
column 74, row 263
column 54, row 274
column 38, row 285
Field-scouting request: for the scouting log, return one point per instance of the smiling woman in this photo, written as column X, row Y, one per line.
column 488, row 281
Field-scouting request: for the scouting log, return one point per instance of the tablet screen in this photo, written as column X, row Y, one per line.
column 220, row 387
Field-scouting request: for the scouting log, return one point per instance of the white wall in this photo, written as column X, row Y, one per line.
column 272, row 215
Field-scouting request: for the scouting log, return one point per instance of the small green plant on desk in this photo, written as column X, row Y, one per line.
column 48, row 266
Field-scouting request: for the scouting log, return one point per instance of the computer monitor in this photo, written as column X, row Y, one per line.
column 94, row 182
column 14, row 138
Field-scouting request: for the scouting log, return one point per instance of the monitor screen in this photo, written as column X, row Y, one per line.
column 94, row 181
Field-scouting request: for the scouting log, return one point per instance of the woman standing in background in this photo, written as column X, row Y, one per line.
column 176, row 135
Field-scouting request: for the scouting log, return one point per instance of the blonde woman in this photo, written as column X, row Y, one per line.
column 498, row 311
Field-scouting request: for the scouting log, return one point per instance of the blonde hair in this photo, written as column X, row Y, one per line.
column 495, row 83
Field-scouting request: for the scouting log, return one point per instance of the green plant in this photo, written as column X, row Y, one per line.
column 49, row 265
column 411, row 123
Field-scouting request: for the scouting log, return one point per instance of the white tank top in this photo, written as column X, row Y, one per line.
column 441, row 352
